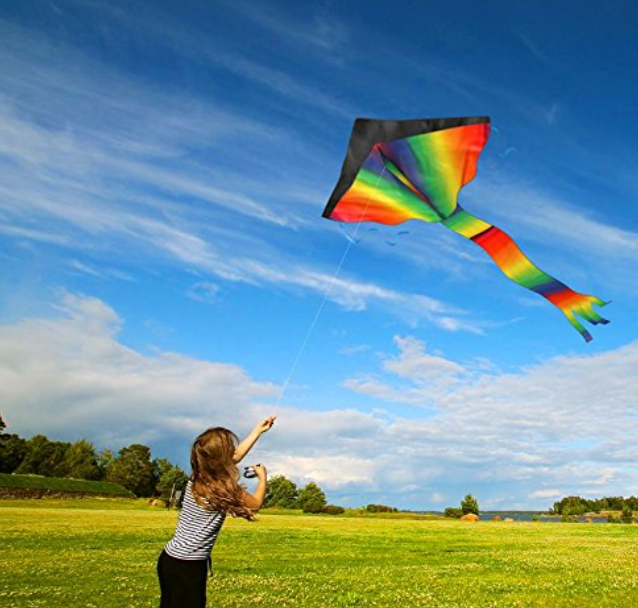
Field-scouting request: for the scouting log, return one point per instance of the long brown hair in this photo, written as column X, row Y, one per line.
column 215, row 476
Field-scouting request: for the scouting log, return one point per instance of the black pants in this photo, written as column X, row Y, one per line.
column 182, row 582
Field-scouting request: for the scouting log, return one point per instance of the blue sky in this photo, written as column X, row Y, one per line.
column 165, row 264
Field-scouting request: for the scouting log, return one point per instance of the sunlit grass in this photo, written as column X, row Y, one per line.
column 103, row 553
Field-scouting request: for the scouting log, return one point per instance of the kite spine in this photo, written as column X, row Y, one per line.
column 517, row 267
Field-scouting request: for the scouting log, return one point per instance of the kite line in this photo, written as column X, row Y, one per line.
column 323, row 301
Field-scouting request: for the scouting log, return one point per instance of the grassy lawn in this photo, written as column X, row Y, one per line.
column 62, row 484
column 102, row 553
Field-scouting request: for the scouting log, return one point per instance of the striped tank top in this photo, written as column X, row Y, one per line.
column 196, row 531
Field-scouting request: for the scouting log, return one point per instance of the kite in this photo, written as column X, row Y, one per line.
column 398, row 170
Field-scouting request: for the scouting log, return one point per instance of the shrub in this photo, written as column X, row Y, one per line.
column 453, row 512
column 333, row 510
column 380, row 509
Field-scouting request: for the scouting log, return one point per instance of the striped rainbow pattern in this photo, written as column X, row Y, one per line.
column 419, row 177
column 517, row 267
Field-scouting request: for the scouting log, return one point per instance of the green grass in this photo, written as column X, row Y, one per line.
column 103, row 554
column 60, row 484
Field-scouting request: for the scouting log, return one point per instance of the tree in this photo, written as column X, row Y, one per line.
column 44, row 457
column 469, row 505
column 133, row 469
column 281, row 493
column 168, row 476
column 627, row 514
column 312, row 499
column 80, row 461
column 2, row 424
column 13, row 449
column 573, row 505
column 104, row 459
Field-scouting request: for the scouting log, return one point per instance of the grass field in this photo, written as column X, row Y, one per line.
column 102, row 553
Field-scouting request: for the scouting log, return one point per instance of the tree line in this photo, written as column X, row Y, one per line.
column 283, row 493
column 576, row 505
column 132, row 467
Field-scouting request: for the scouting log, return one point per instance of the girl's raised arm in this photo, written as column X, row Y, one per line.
column 244, row 446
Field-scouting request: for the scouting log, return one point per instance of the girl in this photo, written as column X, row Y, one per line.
column 211, row 493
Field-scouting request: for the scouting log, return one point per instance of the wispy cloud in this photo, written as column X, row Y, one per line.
column 577, row 246
column 532, row 46
column 32, row 234
column 323, row 34
column 99, row 272
column 322, row 31
column 204, row 291
column 546, row 218
column 279, row 81
column 111, row 186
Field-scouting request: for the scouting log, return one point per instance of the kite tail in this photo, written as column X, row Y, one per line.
column 517, row 267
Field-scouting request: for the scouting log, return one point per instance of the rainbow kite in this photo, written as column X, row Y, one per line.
column 398, row 170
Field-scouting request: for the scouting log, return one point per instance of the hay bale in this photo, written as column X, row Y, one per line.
column 508, row 519
column 496, row 518
column 470, row 517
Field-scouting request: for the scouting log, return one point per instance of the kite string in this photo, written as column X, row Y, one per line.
column 325, row 298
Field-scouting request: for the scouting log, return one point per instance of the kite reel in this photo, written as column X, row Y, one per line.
column 250, row 472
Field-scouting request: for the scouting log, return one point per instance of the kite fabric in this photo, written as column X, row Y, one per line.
column 398, row 170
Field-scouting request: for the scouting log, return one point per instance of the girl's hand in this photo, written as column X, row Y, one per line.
column 260, row 469
column 266, row 424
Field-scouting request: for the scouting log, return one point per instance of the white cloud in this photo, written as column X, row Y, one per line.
column 70, row 375
column 355, row 349
column 428, row 375
column 334, row 472
column 71, row 372
column 568, row 421
column 546, row 494
column 421, row 367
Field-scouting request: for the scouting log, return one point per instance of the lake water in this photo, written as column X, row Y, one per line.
column 530, row 515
